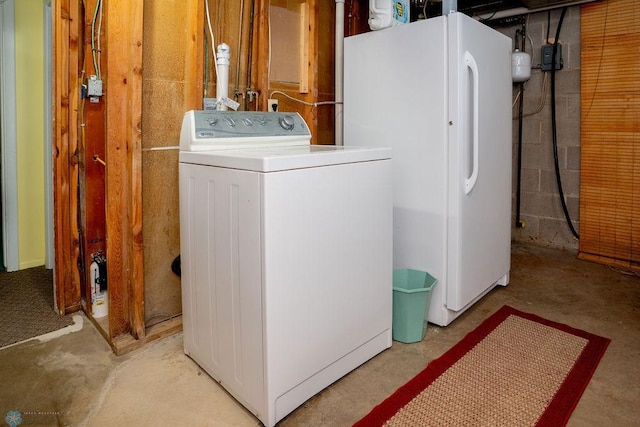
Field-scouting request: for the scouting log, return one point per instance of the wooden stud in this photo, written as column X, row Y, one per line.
column 65, row 164
column 260, row 55
column 92, row 167
column 134, row 154
column 194, row 48
column 304, row 48
column 123, row 158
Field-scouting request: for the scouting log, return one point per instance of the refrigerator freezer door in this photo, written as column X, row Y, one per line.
column 395, row 90
column 479, row 226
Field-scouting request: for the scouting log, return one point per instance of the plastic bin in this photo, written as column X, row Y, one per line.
column 411, row 295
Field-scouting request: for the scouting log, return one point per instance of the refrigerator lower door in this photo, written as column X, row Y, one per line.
column 479, row 200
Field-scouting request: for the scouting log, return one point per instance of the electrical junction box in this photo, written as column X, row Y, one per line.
column 94, row 86
column 547, row 54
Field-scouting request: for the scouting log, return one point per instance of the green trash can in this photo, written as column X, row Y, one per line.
column 411, row 295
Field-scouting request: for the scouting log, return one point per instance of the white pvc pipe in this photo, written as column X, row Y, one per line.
column 449, row 7
column 222, row 85
column 339, row 72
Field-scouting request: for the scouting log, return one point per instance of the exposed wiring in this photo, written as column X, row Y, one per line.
column 241, row 19
column 213, row 42
column 311, row 104
column 82, row 112
column 168, row 316
column 490, row 17
column 95, row 39
column 206, row 65
column 516, row 99
column 97, row 159
column 158, row 314
column 248, row 99
column 528, row 35
column 519, row 222
column 546, row 41
column 554, row 125
column 173, row 147
column 545, row 78
column 99, row 38
column 543, row 97
column 625, row 272
column 269, row 44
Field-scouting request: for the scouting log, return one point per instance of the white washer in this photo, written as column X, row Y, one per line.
column 286, row 253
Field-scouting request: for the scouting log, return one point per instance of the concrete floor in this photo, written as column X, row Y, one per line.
column 74, row 379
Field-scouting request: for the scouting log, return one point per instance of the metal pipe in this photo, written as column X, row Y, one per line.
column 249, row 93
column 238, row 53
column 339, row 72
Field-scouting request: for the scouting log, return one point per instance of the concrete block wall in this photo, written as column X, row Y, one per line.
column 540, row 206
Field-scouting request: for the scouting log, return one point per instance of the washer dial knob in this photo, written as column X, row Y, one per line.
column 286, row 122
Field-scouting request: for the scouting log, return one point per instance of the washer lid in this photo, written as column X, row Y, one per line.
column 272, row 159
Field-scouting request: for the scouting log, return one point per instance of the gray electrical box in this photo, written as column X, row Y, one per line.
column 94, row 86
column 547, row 53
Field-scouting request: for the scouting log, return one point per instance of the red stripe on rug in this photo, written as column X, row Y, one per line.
column 559, row 409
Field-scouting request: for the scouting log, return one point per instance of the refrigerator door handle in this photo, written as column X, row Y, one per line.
column 470, row 182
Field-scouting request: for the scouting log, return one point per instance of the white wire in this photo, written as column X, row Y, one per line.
column 543, row 97
column 99, row 71
column 174, row 147
column 213, row 43
column 516, row 99
column 94, row 55
column 529, row 37
column 311, row 104
column 269, row 57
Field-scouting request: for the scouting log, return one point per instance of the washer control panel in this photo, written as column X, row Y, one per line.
column 223, row 130
column 247, row 124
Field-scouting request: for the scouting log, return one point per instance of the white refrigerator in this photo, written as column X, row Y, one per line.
column 438, row 92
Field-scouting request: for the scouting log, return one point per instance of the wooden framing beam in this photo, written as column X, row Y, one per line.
column 194, row 63
column 306, row 91
column 260, row 54
column 123, row 167
column 65, row 163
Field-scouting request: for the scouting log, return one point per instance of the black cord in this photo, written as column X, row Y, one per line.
column 520, row 35
column 546, row 41
column 176, row 266
column 519, row 222
column 553, row 125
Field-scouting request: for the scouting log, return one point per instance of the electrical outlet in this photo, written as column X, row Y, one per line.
column 273, row 105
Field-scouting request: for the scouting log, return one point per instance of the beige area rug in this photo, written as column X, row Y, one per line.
column 26, row 305
column 515, row 369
